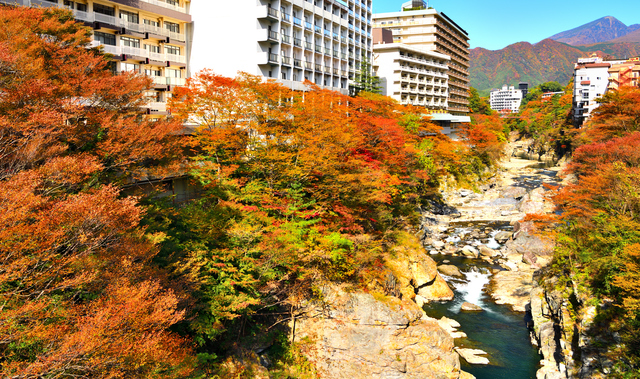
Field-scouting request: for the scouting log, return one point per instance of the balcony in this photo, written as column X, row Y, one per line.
column 286, row 17
column 297, row 42
column 286, row 61
column 297, row 63
column 297, row 22
column 308, row 65
column 142, row 53
column 308, row 26
column 308, row 46
column 286, row 39
column 273, row 36
column 273, row 58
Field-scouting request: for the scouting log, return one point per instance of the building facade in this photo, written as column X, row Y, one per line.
column 420, row 27
column 151, row 37
column 412, row 76
column 322, row 41
column 591, row 80
column 506, row 100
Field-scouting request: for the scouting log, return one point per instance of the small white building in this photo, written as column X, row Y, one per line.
column 506, row 100
column 591, row 78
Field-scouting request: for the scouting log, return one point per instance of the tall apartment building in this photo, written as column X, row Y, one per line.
column 506, row 100
column 152, row 37
column 420, row 27
column 322, row 41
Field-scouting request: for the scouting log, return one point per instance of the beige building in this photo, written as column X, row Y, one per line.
column 424, row 28
column 152, row 37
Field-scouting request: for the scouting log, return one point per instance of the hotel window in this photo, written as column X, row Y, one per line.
column 103, row 9
column 104, row 38
column 129, row 42
column 152, row 72
column 151, row 22
column 77, row 6
column 175, row 50
column 172, row 27
column 130, row 17
column 152, row 48
column 129, row 67
column 171, row 73
column 173, row 2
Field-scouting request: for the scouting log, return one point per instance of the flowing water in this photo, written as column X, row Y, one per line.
column 502, row 333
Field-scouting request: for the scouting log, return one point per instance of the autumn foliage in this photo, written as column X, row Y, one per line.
column 598, row 244
column 78, row 297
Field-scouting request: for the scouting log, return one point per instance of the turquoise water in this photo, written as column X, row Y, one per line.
column 503, row 334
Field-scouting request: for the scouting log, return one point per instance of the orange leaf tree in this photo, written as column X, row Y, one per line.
column 77, row 294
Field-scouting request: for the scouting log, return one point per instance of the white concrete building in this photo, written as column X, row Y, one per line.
column 322, row 41
column 151, row 37
column 506, row 100
column 591, row 78
column 420, row 26
column 412, row 76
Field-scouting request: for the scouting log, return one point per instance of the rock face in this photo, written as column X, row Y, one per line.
column 565, row 338
column 417, row 273
column 512, row 288
column 354, row 335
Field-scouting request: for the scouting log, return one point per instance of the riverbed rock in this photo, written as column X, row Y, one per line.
column 423, row 272
column 469, row 251
column 356, row 335
column 486, row 251
column 437, row 291
column 472, row 356
column 451, row 326
column 450, row 270
column 514, row 192
column 535, row 250
column 502, row 236
column 512, row 288
column 470, row 307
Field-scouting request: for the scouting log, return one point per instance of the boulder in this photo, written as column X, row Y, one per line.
column 512, row 288
column 514, row 192
column 438, row 290
column 486, row 251
column 502, row 236
column 470, row 307
column 472, row 356
column 356, row 335
column 450, row 270
column 423, row 272
column 438, row 244
column 469, row 251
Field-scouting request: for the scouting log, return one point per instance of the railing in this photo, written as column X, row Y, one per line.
column 286, row 17
column 297, row 21
column 297, row 42
column 318, row 67
column 308, row 65
column 272, row 12
column 120, row 50
column 286, row 60
column 297, row 63
column 273, row 35
column 308, row 26
column 273, row 58
column 308, row 45
column 286, row 38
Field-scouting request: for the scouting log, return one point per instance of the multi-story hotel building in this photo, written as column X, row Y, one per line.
column 323, row 41
column 152, row 37
column 412, row 76
column 420, row 27
column 506, row 100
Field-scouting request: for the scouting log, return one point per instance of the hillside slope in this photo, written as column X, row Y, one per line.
column 548, row 60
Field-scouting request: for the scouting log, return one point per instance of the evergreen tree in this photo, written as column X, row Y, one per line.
column 364, row 79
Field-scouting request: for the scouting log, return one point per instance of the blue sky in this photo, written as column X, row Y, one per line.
column 495, row 24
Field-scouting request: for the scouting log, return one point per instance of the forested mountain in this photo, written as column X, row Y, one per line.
column 548, row 60
column 601, row 30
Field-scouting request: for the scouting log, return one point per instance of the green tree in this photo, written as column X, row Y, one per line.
column 479, row 105
column 364, row 79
